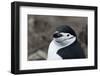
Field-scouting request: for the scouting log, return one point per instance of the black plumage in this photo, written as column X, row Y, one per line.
column 65, row 29
column 73, row 51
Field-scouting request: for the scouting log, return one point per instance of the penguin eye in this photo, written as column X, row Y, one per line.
column 68, row 34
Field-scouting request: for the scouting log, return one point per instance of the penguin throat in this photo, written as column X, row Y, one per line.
column 66, row 42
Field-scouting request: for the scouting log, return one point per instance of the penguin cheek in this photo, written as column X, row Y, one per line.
column 62, row 39
column 58, row 39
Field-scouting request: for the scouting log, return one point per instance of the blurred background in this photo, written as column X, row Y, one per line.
column 41, row 28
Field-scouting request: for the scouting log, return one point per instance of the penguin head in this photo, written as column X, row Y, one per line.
column 64, row 34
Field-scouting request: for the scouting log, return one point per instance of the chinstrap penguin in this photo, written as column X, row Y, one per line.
column 64, row 45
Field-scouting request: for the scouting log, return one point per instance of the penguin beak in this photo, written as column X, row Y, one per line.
column 57, row 35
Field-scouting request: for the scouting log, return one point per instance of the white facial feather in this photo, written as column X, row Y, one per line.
column 58, row 43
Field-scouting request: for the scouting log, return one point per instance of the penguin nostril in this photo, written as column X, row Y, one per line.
column 56, row 35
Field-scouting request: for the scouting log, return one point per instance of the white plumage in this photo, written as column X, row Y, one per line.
column 55, row 46
column 52, row 51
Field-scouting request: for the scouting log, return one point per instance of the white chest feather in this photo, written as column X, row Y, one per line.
column 52, row 52
column 54, row 47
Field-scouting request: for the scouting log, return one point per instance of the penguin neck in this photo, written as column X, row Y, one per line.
column 66, row 42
